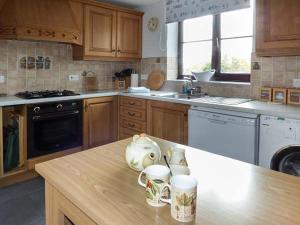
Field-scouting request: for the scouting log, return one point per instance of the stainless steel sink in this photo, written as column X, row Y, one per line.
column 182, row 96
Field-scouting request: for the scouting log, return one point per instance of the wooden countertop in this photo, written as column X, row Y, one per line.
column 100, row 183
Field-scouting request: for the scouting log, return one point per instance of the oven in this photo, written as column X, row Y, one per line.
column 53, row 127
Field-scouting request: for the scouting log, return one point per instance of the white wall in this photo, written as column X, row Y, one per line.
column 172, row 42
column 151, row 40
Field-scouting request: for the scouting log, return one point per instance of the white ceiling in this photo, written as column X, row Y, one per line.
column 131, row 3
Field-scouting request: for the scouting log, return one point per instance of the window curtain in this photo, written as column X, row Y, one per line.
column 179, row 10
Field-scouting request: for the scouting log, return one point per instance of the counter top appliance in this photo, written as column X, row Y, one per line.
column 45, row 94
column 226, row 133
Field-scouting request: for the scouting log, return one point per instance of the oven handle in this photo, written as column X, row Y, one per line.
column 59, row 115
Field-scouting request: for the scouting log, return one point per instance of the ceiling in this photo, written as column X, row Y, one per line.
column 131, row 3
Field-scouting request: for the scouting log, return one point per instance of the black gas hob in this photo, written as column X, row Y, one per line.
column 45, row 94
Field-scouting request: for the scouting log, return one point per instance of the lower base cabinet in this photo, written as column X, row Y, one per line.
column 100, row 121
column 168, row 121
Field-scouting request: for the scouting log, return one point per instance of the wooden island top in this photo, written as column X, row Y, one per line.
column 97, row 187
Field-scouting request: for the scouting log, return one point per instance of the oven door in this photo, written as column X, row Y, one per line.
column 53, row 132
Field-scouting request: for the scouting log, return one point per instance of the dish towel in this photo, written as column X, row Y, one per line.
column 138, row 90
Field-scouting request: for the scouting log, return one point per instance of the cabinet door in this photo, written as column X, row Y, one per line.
column 100, row 32
column 129, row 36
column 168, row 121
column 277, row 27
column 100, row 121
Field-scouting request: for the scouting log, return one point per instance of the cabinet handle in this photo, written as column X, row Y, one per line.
column 86, row 107
column 113, row 51
column 119, row 51
column 131, row 125
column 131, row 114
column 131, row 103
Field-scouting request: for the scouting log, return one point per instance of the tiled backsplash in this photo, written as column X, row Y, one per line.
column 57, row 77
column 273, row 71
column 166, row 64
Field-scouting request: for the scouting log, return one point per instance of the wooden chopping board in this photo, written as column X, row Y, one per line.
column 156, row 79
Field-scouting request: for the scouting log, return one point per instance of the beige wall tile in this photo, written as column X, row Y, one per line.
column 62, row 66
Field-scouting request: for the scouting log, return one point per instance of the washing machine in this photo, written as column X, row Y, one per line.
column 279, row 144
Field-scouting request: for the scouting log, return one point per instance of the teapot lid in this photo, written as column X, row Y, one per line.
column 142, row 139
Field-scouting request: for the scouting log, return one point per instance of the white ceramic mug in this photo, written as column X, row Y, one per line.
column 156, row 177
column 183, row 199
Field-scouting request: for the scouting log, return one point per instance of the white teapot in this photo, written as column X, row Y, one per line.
column 142, row 152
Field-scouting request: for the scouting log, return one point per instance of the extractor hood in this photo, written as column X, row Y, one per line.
column 41, row 20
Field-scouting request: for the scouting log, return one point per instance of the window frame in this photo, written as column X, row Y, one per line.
column 216, row 54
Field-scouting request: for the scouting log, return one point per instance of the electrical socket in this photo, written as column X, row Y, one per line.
column 2, row 79
column 296, row 82
column 74, row 77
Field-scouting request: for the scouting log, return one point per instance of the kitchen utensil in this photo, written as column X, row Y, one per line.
column 142, row 152
column 156, row 80
column 157, row 176
column 165, row 158
column 183, row 199
column 124, row 73
column 120, row 84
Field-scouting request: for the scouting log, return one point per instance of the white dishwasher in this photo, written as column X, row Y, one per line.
column 227, row 133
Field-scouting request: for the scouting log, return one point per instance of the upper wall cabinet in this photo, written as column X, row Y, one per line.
column 110, row 33
column 100, row 32
column 129, row 35
column 46, row 20
column 277, row 27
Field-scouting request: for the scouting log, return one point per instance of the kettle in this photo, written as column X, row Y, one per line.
column 142, row 152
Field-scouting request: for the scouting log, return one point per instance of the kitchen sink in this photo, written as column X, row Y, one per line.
column 182, row 96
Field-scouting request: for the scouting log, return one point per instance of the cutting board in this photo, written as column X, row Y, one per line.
column 156, row 80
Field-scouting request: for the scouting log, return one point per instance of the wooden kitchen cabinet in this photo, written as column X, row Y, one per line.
column 100, row 121
column 129, row 35
column 277, row 27
column 132, row 117
column 100, row 31
column 168, row 121
column 110, row 33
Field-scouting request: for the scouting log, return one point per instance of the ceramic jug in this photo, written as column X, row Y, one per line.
column 177, row 156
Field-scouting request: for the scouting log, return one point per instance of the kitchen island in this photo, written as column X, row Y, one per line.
column 97, row 187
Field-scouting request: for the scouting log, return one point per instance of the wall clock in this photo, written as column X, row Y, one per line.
column 153, row 24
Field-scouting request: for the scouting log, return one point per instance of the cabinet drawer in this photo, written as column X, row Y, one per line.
column 133, row 113
column 127, row 133
column 133, row 125
column 133, row 102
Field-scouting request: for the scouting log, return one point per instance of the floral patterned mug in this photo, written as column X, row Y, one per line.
column 183, row 199
column 156, row 177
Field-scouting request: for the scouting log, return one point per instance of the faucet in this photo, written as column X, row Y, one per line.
column 191, row 90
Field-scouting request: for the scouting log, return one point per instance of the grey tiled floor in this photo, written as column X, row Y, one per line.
column 23, row 203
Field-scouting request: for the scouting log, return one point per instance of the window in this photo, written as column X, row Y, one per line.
column 222, row 42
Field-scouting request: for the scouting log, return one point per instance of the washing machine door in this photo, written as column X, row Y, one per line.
column 287, row 160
